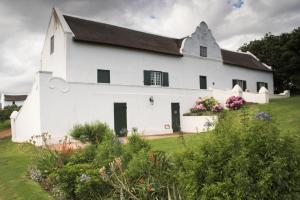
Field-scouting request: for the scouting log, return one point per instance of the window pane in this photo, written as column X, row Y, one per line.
column 52, row 44
column 103, row 76
column 155, row 78
column 203, row 51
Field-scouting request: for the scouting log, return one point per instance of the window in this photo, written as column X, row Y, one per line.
column 261, row 84
column 203, row 51
column 156, row 78
column 203, row 82
column 52, row 44
column 103, row 76
column 241, row 83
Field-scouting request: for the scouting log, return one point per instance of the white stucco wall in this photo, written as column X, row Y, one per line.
column 27, row 121
column 126, row 68
column 196, row 124
column 57, row 61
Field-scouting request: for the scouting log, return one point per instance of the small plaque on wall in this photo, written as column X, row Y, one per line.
column 167, row 126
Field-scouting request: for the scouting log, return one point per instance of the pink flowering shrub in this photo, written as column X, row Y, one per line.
column 235, row 102
column 206, row 104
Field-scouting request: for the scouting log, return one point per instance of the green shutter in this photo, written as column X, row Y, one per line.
column 103, row 76
column 147, row 77
column 203, row 82
column 244, row 85
column 234, row 82
column 165, row 79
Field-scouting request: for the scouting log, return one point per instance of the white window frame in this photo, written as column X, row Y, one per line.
column 156, row 78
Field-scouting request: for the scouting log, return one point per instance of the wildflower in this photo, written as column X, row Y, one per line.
column 263, row 116
column 102, row 171
column 118, row 162
column 84, row 178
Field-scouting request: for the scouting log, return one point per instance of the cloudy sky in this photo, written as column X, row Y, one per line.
column 233, row 22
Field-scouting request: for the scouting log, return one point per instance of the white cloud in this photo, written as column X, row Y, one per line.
column 233, row 23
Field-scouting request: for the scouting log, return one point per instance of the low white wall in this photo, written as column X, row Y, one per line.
column 222, row 95
column 196, row 124
column 26, row 122
column 285, row 94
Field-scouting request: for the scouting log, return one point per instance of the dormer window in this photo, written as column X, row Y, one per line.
column 52, row 44
column 203, row 51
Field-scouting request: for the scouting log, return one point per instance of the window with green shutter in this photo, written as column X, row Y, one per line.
column 156, row 78
column 203, row 82
column 103, row 76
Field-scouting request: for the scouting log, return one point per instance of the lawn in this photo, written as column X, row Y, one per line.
column 14, row 183
column 285, row 113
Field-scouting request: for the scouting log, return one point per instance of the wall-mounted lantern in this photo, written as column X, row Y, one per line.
column 151, row 100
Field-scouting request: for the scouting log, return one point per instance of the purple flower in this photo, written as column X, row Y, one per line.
column 263, row 116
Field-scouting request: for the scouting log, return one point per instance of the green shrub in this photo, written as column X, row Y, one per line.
column 152, row 175
column 107, row 151
column 242, row 161
column 6, row 112
column 84, row 155
column 91, row 132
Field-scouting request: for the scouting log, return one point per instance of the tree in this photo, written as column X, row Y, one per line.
column 282, row 52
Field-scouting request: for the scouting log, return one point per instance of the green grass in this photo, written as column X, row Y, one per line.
column 285, row 113
column 4, row 125
column 14, row 183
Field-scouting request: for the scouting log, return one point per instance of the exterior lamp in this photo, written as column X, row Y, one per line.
column 151, row 100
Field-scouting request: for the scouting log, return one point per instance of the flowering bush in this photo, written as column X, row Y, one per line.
column 263, row 116
column 235, row 102
column 206, row 104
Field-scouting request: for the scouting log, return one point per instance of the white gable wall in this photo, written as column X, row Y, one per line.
column 57, row 61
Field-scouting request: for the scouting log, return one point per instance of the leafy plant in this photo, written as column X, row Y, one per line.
column 6, row 112
column 242, row 162
column 94, row 133
column 206, row 104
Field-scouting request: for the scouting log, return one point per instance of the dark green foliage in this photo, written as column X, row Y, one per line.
column 93, row 132
column 152, row 175
column 84, row 155
column 239, row 161
column 6, row 112
column 282, row 52
column 80, row 181
column 107, row 151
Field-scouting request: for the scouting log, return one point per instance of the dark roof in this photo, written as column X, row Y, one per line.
column 242, row 60
column 96, row 32
column 15, row 97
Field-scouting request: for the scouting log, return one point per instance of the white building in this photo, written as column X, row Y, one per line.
column 92, row 71
column 11, row 99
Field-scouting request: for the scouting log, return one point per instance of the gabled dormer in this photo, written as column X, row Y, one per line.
column 202, row 44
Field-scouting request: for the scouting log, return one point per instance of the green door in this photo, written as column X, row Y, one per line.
column 175, row 109
column 120, row 118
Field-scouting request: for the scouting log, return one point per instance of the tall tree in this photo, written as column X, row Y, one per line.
column 282, row 52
